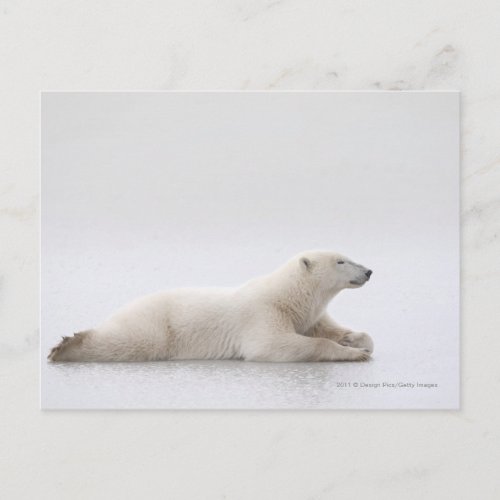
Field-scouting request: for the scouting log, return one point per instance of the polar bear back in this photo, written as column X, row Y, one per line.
column 195, row 322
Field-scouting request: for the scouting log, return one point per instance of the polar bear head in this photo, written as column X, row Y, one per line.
column 333, row 270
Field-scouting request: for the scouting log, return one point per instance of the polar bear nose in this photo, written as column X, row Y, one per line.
column 368, row 273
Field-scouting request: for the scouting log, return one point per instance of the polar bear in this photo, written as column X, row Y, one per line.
column 278, row 317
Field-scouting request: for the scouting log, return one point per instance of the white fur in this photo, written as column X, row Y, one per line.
column 278, row 317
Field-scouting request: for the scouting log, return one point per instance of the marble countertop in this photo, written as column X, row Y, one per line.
column 260, row 44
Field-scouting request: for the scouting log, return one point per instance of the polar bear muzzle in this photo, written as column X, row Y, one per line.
column 362, row 278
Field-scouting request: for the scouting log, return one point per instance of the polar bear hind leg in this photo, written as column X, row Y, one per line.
column 111, row 344
column 70, row 348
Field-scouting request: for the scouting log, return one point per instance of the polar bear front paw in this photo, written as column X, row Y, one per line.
column 356, row 354
column 360, row 340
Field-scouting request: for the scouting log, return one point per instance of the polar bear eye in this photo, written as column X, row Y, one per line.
column 340, row 262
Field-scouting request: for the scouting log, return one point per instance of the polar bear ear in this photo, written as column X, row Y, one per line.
column 306, row 263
